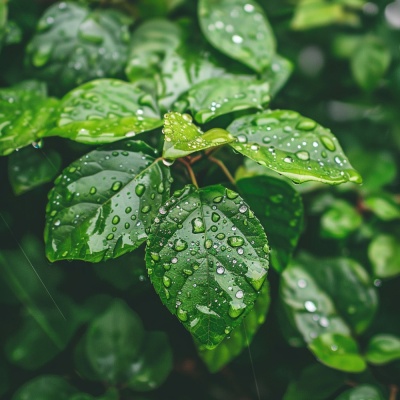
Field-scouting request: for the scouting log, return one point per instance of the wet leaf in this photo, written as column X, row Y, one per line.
column 75, row 44
column 383, row 349
column 240, row 337
column 278, row 73
column 104, row 111
column 362, row 392
column 280, row 210
column 207, row 257
column 182, row 137
column 240, row 29
column 384, row 254
column 338, row 351
column 293, row 146
column 103, row 204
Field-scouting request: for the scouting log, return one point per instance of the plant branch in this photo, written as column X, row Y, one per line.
column 393, row 392
column 224, row 169
column 190, row 170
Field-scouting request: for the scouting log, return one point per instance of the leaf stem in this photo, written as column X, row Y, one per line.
column 393, row 392
column 190, row 170
column 224, row 169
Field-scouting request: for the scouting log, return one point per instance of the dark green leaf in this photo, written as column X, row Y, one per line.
column 384, row 206
column 240, row 337
column 316, row 382
column 218, row 96
column 333, row 295
column 4, row 378
column 383, row 349
column 111, row 394
column 369, row 62
column 46, row 387
column 362, row 392
column 3, row 21
column 113, row 340
column 293, row 146
column 182, row 137
column 238, row 28
column 74, row 44
column 25, row 113
column 105, row 110
column 31, row 167
column 384, row 254
column 340, row 220
column 207, row 257
column 338, row 351
column 150, row 8
column 103, row 204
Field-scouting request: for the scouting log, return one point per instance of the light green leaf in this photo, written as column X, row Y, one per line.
column 293, row 146
column 332, row 295
column 3, row 20
column 240, row 29
column 105, row 110
column 31, row 167
column 384, row 254
column 112, row 341
column 278, row 73
column 207, row 257
column 383, row 349
column 25, row 113
column 338, row 351
column 340, row 220
column 362, row 392
column 280, row 211
column 103, row 204
column 45, row 387
column 369, row 62
column 182, row 137
column 75, row 44
column 240, row 337
column 384, row 206
column 218, row 96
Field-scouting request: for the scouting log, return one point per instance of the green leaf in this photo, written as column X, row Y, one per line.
column 278, row 73
column 240, row 337
column 340, row 220
column 105, row 110
column 25, row 113
column 103, row 204
column 153, row 365
column 45, row 387
column 383, row 349
column 384, row 206
column 332, row 295
column 182, row 137
column 280, row 211
column 111, row 394
column 3, row 20
column 30, row 167
column 240, row 29
column 4, row 378
column 293, row 146
column 384, row 254
column 75, row 44
column 369, row 62
column 338, row 351
column 316, row 382
column 218, row 96
column 113, row 340
column 207, row 257
column 362, row 392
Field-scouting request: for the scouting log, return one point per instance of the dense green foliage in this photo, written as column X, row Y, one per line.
column 233, row 163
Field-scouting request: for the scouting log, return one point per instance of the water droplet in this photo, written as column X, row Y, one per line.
column 220, row 236
column 241, row 138
column 174, row 260
column 215, row 217
column 180, row 245
column 182, row 314
column 240, row 250
column 218, row 199
column 166, row 281
column 115, row 220
column 235, row 241
column 116, row 186
column 155, row 256
column 188, row 272
column 328, row 143
column 128, row 210
column 145, row 209
column 324, row 322
column 288, row 159
column 139, row 190
column 266, row 248
column 306, row 125
column 162, row 211
column 301, row 283
column 198, row 225
column 310, row 306
column 243, row 209
column 187, row 117
column 303, row 155
column 208, row 243
column 57, row 223
column 236, row 309
column 220, row 270
column 237, row 39
column 110, row 236
column 230, row 194
column 93, row 190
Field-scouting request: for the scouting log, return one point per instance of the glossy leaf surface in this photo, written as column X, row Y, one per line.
column 182, row 137
column 105, row 110
column 103, row 204
column 278, row 73
column 207, row 257
column 74, row 44
column 280, row 210
column 362, row 392
column 384, row 254
column 383, row 349
column 240, row 29
column 293, row 146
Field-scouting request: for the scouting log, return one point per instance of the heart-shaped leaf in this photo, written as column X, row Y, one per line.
column 293, row 146
column 207, row 257
column 103, row 204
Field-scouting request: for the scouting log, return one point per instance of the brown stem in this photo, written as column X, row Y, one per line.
column 351, row 383
column 393, row 392
column 190, row 170
column 224, row 169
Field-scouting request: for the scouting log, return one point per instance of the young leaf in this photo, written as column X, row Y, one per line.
column 384, row 206
column 182, row 137
column 293, row 146
column 74, row 44
column 384, row 254
column 280, row 211
column 238, row 28
column 207, row 257
column 362, row 392
column 240, row 337
column 104, row 111
column 218, row 96
column 30, row 167
column 103, row 204
column 338, row 351
column 383, row 349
